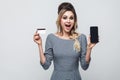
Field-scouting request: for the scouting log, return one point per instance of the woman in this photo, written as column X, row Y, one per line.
column 66, row 47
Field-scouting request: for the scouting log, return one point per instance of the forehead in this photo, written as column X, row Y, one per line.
column 68, row 13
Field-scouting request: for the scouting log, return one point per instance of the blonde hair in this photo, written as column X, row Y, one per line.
column 73, row 34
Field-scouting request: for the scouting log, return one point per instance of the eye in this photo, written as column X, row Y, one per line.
column 64, row 17
column 71, row 18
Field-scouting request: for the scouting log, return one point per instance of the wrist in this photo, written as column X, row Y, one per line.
column 39, row 45
column 40, row 48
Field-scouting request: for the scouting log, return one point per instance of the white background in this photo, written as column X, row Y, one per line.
column 19, row 58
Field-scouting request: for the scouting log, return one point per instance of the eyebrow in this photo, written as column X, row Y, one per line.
column 69, row 16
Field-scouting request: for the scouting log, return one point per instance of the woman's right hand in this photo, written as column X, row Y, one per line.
column 37, row 39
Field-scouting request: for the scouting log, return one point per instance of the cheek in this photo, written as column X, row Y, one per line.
column 62, row 24
column 73, row 22
column 62, row 21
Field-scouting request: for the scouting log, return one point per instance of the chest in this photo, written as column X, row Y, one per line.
column 64, row 49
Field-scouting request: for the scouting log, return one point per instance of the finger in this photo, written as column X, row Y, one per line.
column 36, row 34
column 35, row 37
column 89, row 39
column 93, row 45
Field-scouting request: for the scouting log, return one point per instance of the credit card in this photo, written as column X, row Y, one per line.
column 41, row 30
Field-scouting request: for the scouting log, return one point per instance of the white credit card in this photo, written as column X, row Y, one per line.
column 41, row 30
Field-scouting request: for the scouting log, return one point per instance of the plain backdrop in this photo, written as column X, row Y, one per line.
column 19, row 19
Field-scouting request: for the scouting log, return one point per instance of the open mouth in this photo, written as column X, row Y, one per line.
column 67, row 25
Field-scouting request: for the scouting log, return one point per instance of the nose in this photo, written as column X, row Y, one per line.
column 68, row 20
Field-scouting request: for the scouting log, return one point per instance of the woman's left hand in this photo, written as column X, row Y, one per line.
column 90, row 45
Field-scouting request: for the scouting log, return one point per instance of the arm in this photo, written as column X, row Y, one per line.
column 41, row 54
column 45, row 58
column 85, row 55
column 48, row 53
column 38, row 40
column 89, row 49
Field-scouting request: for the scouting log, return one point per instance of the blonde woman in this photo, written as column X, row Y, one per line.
column 66, row 48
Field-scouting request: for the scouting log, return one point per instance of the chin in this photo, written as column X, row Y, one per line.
column 68, row 31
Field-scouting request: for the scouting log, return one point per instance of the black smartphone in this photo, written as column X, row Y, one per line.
column 94, row 34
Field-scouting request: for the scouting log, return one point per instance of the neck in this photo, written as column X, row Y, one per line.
column 65, row 35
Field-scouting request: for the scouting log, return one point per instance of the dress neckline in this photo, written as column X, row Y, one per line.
column 61, row 38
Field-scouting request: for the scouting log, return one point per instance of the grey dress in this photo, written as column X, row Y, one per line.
column 65, row 57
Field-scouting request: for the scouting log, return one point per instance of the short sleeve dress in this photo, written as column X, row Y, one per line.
column 65, row 58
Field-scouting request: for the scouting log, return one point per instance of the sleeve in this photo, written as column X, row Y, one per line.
column 82, row 56
column 48, row 53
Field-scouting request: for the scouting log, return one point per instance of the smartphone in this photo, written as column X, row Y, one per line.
column 94, row 34
column 41, row 30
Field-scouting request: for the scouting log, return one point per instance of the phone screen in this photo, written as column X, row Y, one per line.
column 94, row 34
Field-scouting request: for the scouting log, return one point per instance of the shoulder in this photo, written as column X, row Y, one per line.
column 81, row 36
column 50, row 36
column 82, row 39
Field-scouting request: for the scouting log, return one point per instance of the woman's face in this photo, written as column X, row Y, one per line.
column 67, row 21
